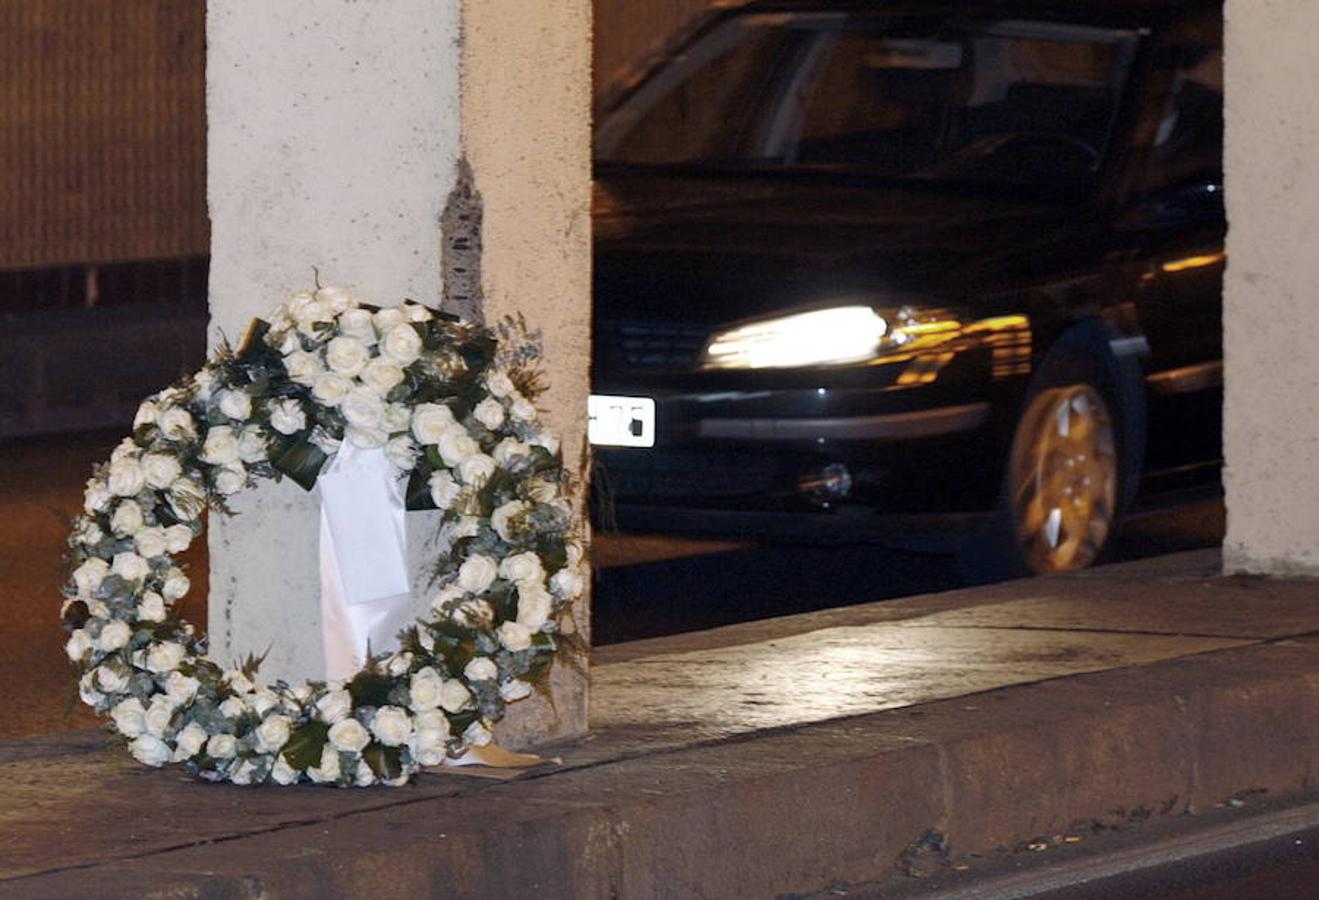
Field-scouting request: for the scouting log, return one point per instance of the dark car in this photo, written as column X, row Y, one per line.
column 905, row 264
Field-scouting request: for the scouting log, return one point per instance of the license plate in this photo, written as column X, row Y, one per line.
column 620, row 421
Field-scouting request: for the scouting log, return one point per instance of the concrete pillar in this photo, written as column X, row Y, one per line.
column 338, row 132
column 1271, row 304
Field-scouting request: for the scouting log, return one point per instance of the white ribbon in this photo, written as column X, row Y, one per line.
column 365, row 587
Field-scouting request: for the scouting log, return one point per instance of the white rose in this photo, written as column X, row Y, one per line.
column 78, row 644
column 398, row 664
column 363, row 776
column 253, row 444
column 509, row 450
column 424, row 688
column 477, row 734
column 331, row 388
column 327, row 444
column 311, row 315
column 181, row 688
column 160, row 469
column 477, row 573
column 221, row 446
column 287, row 417
column 159, row 714
column 347, row 356
column 444, row 490
column 189, row 741
column 150, row 750
column 490, row 413
column 501, row 520
column 87, row 532
column 233, row 707
column 236, row 405
column 87, row 691
column 398, row 418
column 230, row 479
column 534, row 604
column 151, row 542
column 89, row 575
column 391, row 725
column 328, row 770
column 363, row 408
column 335, row 706
column 430, row 421
column 415, row 312
column 176, row 585
column 401, row 452
column 204, row 382
column 130, row 567
column 238, row 682
column 542, row 491
column 514, row 636
column 111, row 680
column 151, row 608
column 186, row 499
column 130, row 717
column 96, row 497
column 294, row 305
column 455, row 445
column 273, row 733
column 382, row 375
column 349, row 735
column 366, row 438
column 336, row 298
column 264, row 701
column 282, row 773
column 177, row 425
column 389, row 318
column 221, row 746
column 446, row 597
column 498, row 383
column 455, row 696
column 566, row 583
column 431, row 731
column 147, row 413
column 547, row 440
column 514, row 690
column 476, row 469
column 481, row 668
column 520, row 567
column 113, row 635
column 126, row 449
column 465, row 526
column 127, row 519
column 357, row 324
column 165, row 656
column 521, row 410
column 303, row 367
column 126, row 477
column 401, row 344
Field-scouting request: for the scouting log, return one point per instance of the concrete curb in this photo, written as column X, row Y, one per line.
column 791, row 810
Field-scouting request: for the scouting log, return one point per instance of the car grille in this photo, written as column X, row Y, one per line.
column 653, row 345
column 672, row 474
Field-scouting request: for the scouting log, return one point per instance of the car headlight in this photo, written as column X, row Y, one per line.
column 821, row 337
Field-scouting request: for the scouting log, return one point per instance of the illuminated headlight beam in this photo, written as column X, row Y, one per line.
column 823, row 337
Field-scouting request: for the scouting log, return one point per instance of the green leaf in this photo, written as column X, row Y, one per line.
column 418, row 495
column 384, row 761
column 370, row 688
column 303, row 751
column 301, row 460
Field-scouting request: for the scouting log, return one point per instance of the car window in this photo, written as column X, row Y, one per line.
column 1188, row 146
column 1000, row 101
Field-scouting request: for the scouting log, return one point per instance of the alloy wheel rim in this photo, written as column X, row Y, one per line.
column 1064, row 479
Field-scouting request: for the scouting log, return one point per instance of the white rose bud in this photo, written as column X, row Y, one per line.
column 512, row 691
column 430, row 421
column 328, row 770
column 236, row 405
column 176, row 424
column 502, row 518
column 96, row 497
column 336, row 298
column 477, row 573
column 89, row 575
column 130, row 567
column 150, row 750
column 430, row 732
column 566, row 583
column 415, row 312
column 347, row 356
column 481, row 668
column 398, row 664
column 189, row 741
column 221, row 746
column 181, row 688
column 389, row 318
column 220, row 447
column 401, row 344
column 151, row 608
column 127, row 519
column 130, row 717
column 363, row 776
column 110, row 680
column 509, row 450
column 476, row 469
column 126, row 477
column 284, row 774
column 357, row 324
column 159, row 714
column 490, row 413
column 187, row 499
column 331, row 388
column 273, row 733
column 287, row 417
column 424, row 688
column 335, row 706
column 534, row 604
column 455, row 696
column 151, row 542
column 514, row 636
column 165, row 656
column 230, row 479
column 114, row 635
column 233, row 707
column 444, row 490
column 160, row 470
column 391, row 726
column 204, row 382
column 303, row 367
column 498, row 383
column 176, row 585
column 238, row 682
column 349, row 735
column 477, row 734
column 456, row 445
column 522, row 411
column 547, row 440
column 253, row 444
column 147, row 413
column 78, row 644
column 521, row 567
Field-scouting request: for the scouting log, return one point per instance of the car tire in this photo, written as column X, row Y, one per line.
column 1071, row 468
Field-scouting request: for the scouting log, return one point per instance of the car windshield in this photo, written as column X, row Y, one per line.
column 1007, row 101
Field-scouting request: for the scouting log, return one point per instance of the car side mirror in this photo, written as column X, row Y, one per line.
column 1200, row 200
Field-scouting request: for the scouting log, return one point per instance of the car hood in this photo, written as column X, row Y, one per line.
column 714, row 250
